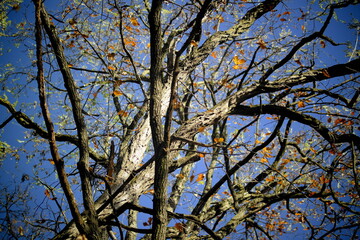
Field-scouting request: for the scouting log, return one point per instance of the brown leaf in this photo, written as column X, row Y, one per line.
column 179, row 227
column 325, row 73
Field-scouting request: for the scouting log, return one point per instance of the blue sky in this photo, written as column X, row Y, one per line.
column 12, row 170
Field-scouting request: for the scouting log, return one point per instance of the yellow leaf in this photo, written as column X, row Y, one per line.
column 219, row 140
column 257, row 141
column 238, row 61
column 117, row 93
column 236, row 67
column 21, row 231
column 264, row 160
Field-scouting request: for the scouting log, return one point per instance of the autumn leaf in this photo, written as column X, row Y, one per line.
column 270, row 179
column 298, row 62
column 151, row 191
column 111, row 56
column 323, row 179
column 47, row 193
column 21, row 231
column 213, row 54
column 191, row 178
column 149, row 222
column 219, row 140
column 301, row 104
column 129, row 41
column 238, row 61
column 236, row 67
column 51, row 161
column 194, row 43
column 111, row 67
column 134, row 21
column 201, row 155
column 261, row 44
column 264, row 160
column 180, row 176
column 179, row 227
column 122, row 113
column 201, row 129
column 325, row 73
column 322, row 44
column 72, row 21
column 200, row 177
column 117, row 93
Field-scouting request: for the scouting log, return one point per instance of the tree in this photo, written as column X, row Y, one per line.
column 186, row 119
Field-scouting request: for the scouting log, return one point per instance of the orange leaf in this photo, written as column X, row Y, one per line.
column 194, row 43
column 51, row 161
column 151, row 191
column 270, row 179
column 264, row 160
column 134, row 21
column 301, row 104
column 201, row 155
column 213, row 54
column 286, row 13
column 238, row 61
column 323, row 179
column 123, row 113
column 180, row 176
column 201, row 129
column 111, row 67
column 117, row 93
column 219, row 140
column 200, row 177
